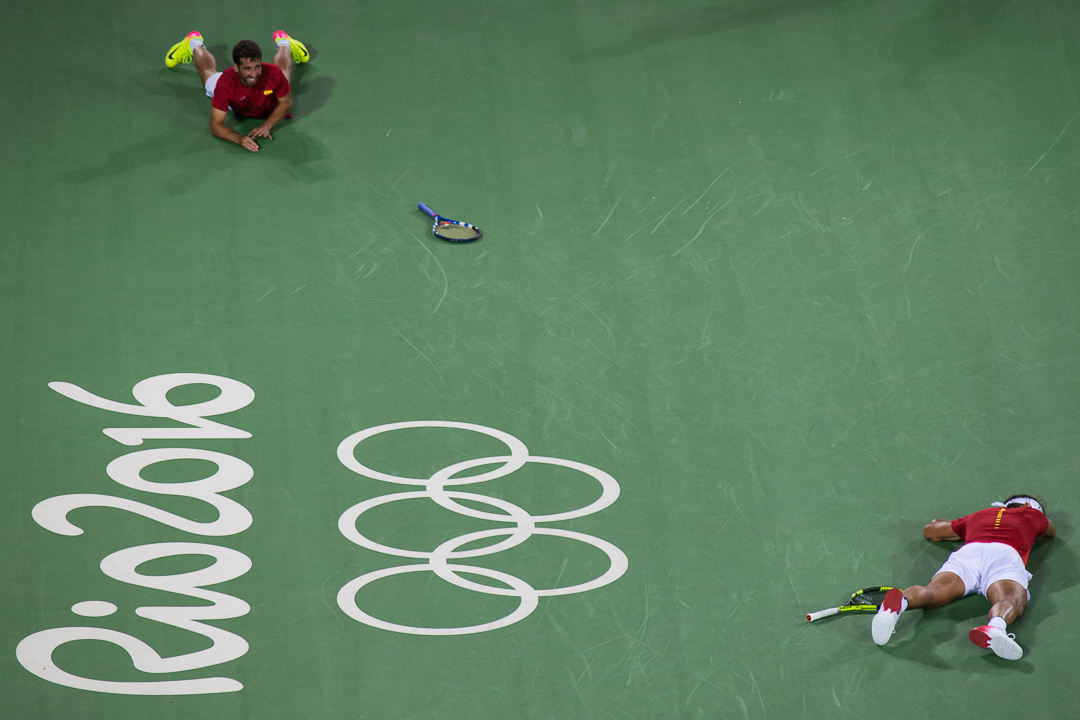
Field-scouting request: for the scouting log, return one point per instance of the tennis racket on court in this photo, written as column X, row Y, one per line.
column 453, row 231
column 865, row 600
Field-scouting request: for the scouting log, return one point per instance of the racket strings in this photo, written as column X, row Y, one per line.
column 454, row 231
column 869, row 597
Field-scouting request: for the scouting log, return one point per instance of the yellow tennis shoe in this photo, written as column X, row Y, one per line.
column 297, row 48
column 181, row 51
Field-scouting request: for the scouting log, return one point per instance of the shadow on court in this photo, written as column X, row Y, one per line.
column 315, row 92
column 190, row 120
column 948, row 30
column 706, row 21
column 1055, row 567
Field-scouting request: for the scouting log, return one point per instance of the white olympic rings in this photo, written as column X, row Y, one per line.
column 524, row 527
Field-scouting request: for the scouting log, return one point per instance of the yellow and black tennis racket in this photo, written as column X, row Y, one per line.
column 865, row 600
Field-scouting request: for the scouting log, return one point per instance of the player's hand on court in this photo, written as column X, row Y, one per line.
column 247, row 143
column 261, row 132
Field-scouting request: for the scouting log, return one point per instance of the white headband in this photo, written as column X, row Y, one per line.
column 1021, row 500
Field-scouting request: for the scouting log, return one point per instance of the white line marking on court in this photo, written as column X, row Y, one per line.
column 1052, row 144
column 847, row 431
column 846, row 157
column 593, row 313
column 612, row 209
column 400, row 178
column 700, row 230
column 639, row 230
column 710, row 217
column 668, row 213
column 912, row 253
column 418, row 350
column 446, row 281
column 707, row 190
column 577, row 130
column 611, row 169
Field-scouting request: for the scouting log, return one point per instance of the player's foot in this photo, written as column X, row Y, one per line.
column 181, row 51
column 885, row 621
column 297, row 48
column 1002, row 643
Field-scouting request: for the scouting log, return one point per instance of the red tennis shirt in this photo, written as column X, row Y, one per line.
column 1016, row 527
column 258, row 101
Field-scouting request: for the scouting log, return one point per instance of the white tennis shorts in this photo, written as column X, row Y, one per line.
column 211, row 83
column 980, row 565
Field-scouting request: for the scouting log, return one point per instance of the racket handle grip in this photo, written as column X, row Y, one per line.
column 427, row 211
column 811, row 617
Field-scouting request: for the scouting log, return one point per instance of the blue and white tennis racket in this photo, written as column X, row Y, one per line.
column 451, row 230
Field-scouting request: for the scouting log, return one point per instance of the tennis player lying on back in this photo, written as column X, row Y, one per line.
column 992, row 561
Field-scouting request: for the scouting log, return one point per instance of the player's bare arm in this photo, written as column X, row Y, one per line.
column 218, row 128
column 284, row 105
column 940, row 530
column 1051, row 531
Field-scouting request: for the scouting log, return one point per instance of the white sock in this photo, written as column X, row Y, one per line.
column 194, row 43
column 283, row 42
column 903, row 604
column 997, row 622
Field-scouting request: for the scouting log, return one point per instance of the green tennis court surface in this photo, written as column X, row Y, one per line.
column 764, row 287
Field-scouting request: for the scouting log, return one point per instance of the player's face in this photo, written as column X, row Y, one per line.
column 249, row 70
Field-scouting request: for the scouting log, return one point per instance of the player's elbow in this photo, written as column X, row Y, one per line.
column 939, row 530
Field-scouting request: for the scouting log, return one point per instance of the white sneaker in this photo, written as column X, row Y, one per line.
column 885, row 621
column 1002, row 643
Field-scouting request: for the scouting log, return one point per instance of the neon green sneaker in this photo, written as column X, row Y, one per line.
column 181, row 51
column 298, row 49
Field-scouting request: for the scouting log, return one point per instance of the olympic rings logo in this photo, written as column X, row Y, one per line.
column 439, row 561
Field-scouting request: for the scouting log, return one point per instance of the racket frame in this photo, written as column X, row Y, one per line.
column 850, row 607
column 440, row 220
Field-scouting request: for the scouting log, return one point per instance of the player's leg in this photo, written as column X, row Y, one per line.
column 204, row 62
column 289, row 51
column 192, row 50
column 1009, row 599
column 942, row 589
column 283, row 59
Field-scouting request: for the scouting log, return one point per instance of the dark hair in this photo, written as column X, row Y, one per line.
column 246, row 50
column 1009, row 503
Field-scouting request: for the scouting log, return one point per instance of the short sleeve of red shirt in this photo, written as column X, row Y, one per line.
column 259, row 101
column 959, row 526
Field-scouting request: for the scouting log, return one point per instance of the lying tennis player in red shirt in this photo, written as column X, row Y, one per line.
column 251, row 88
column 992, row 562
